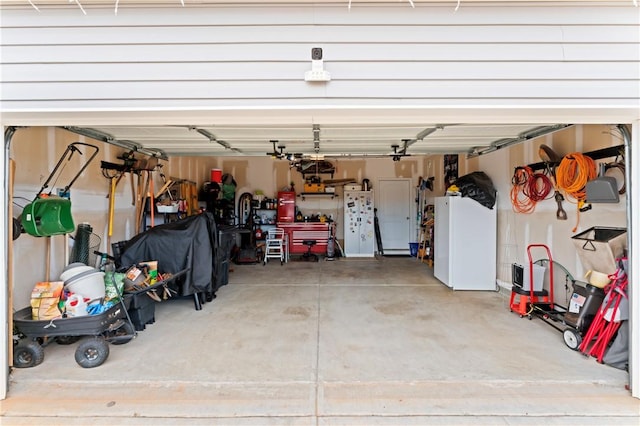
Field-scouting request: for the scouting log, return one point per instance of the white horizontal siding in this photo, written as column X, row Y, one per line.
column 254, row 56
column 278, row 34
column 211, row 90
column 363, row 52
column 340, row 71
column 423, row 14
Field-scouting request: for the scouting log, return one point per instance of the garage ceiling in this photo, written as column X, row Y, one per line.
column 318, row 140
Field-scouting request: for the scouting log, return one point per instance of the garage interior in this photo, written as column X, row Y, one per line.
column 303, row 341
column 357, row 340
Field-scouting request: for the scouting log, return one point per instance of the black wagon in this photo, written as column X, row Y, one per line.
column 93, row 332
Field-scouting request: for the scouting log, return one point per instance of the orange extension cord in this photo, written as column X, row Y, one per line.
column 572, row 175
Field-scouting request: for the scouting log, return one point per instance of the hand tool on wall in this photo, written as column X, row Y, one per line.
column 112, row 203
column 114, row 173
column 133, row 189
column 560, row 213
column 152, row 206
column 142, row 197
column 551, row 160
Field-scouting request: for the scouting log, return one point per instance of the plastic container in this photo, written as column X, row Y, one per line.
column 171, row 208
column 75, row 269
column 413, row 249
column 597, row 279
column 216, row 175
column 76, row 306
column 521, row 277
column 89, row 284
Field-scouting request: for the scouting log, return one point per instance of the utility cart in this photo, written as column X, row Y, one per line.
column 93, row 331
column 117, row 325
column 573, row 320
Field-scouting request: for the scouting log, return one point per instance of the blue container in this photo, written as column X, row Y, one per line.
column 413, row 249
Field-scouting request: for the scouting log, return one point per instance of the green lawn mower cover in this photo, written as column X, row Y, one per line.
column 48, row 216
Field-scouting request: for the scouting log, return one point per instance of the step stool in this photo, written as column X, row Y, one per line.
column 521, row 299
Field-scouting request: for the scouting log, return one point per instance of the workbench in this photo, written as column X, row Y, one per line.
column 299, row 231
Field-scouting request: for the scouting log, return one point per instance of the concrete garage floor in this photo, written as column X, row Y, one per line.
column 349, row 342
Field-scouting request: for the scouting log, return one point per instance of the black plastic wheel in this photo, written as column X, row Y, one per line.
column 123, row 334
column 67, row 340
column 28, row 354
column 92, row 352
column 572, row 338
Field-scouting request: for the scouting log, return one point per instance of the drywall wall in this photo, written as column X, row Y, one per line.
column 36, row 151
column 518, row 230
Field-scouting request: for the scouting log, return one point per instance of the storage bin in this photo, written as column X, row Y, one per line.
column 170, row 208
column 141, row 309
column 599, row 247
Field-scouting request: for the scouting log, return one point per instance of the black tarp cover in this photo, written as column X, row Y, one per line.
column 189, row 243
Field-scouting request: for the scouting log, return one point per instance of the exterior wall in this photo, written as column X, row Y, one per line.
column 255, row 56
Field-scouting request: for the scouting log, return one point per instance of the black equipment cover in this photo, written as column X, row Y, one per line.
column 189, row 243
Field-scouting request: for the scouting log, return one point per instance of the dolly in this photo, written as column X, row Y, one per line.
column 542, row 304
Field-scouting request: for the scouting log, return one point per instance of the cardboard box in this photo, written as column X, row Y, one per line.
column 353, row 187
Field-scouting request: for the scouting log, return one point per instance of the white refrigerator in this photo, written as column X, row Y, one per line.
column 465, row 237
column 359, row 231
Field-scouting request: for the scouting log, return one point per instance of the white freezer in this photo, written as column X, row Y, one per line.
column 465, row 237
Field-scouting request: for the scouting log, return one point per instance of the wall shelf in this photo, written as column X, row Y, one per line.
column 314, row 194
column 599, row 154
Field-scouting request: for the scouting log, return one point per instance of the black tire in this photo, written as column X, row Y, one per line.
column 27, row 354
column 67, row 340
column 92, row 352
column 123, row 334
column 572, row 338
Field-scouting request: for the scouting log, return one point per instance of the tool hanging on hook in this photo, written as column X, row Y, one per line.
column 551, row 160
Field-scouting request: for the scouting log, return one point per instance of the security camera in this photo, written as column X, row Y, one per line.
column 317, row 72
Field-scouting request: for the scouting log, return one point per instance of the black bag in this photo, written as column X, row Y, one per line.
column 478, row 186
